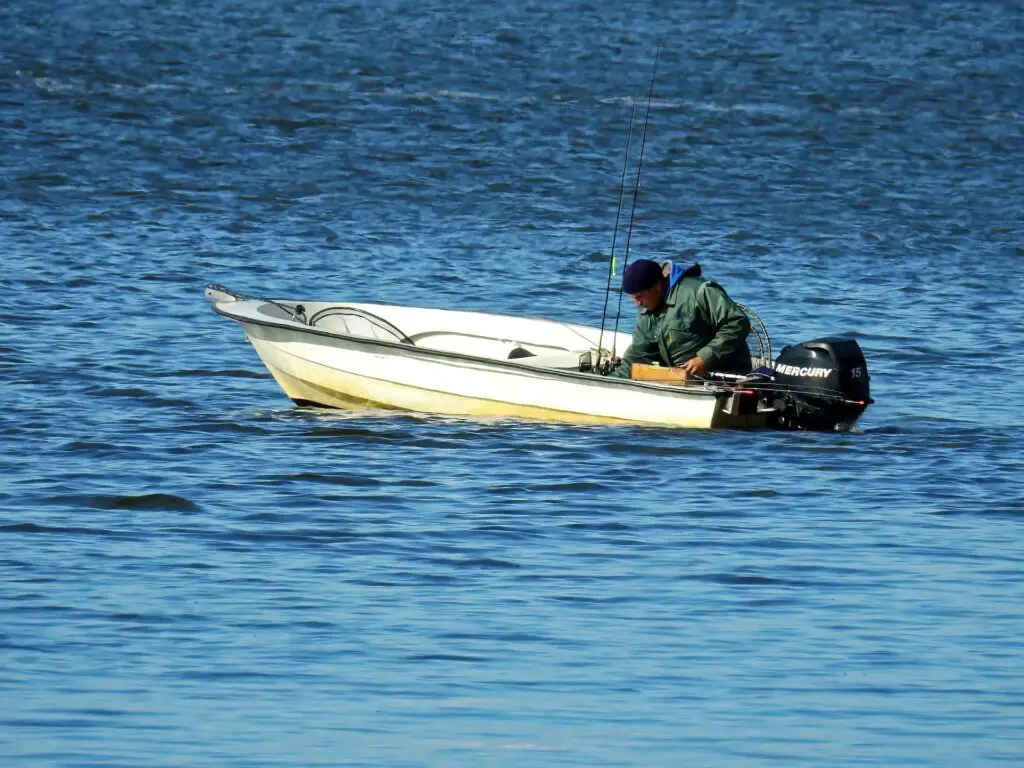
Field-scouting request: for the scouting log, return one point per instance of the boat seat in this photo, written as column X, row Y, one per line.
column 523, row 353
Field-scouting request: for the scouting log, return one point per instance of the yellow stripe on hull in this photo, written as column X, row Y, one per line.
column 348, row 391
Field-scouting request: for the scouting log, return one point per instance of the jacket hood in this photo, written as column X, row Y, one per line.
column 679, row 272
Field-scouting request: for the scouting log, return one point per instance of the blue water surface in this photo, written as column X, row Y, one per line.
column 196, row 572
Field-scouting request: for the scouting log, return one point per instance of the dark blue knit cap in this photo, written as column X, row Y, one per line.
column 641, row 275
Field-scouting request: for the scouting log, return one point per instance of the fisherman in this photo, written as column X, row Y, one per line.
column 685, row 321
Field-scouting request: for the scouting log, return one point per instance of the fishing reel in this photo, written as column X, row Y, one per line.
column 603, row 367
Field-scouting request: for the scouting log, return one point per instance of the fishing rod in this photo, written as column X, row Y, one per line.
column 615, row 232
column 636, row 192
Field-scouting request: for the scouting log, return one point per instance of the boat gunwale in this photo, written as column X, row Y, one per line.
column 704, row 390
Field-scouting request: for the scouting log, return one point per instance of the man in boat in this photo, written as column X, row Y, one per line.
column 685, row 321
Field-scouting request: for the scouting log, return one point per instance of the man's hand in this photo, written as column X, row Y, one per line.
column 695, row 367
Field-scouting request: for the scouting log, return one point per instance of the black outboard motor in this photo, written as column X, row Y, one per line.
column 820, row 385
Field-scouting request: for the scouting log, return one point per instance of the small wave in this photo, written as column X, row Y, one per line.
column 715, row 512
column 478, row 562
column 267, row 517
column 598, row 527
column 652, row 449
column 296, row 536
column 444, row 657
column 156, row 501
column 749, row 579
column 314, row 624
column 506, row 532
column 45, row 179
column 446, row 93
column 219, row 427
column 508, row 490
column 316, row 477
column 166, row 501
column 141, row 394
column 230, row 373
column 357, row 432
column 572, row 487
column 36, row 528
column 96, row 447
column 1012, row 509
column 590, row 600
column 505, row 637
column 49, row 85
column 246, row 674
column 412, row 482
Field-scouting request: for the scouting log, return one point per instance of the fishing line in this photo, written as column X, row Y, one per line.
column 636, row 190
column 615, row 232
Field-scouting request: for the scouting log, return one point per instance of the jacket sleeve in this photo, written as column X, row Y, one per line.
column 731, row 324
column 642, row 349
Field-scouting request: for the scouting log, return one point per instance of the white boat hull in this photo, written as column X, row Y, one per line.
column 436, row 374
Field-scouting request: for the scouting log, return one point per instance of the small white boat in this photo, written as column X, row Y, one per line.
column 473, row 364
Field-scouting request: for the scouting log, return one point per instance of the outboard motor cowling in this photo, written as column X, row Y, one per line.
column 821, row 384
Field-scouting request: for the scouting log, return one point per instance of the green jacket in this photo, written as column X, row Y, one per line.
column 696, row 319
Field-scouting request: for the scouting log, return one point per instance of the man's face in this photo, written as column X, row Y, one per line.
column 648, row 299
